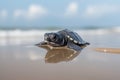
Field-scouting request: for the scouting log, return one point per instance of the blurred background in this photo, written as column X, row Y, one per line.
column 23, row 18
column 24, row 22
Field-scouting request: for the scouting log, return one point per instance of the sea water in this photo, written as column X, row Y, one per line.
column 21, row 36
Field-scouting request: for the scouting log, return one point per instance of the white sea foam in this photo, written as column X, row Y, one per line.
column 99, row 31
column 20, row 33
column 116, row 29
column 32, row 33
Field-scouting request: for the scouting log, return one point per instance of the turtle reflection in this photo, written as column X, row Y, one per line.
column 59, row 54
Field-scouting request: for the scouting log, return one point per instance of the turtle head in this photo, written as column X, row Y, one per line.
column 53, row 37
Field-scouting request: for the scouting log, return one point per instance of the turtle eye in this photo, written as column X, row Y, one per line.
column 52, row 37
column 46, row 36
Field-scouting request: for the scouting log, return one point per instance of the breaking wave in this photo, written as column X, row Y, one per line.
column 31, row 33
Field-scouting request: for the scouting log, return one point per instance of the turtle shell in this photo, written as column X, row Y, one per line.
column 74, row 41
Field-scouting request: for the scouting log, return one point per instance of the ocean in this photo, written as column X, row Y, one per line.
column 20, row 59
column 29, row 36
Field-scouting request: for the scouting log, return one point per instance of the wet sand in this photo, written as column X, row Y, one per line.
column 25, row 61
column 19, row 63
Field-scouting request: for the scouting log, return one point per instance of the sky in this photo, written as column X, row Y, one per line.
column 22, row 13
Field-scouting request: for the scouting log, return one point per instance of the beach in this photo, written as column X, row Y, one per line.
column 20, row 59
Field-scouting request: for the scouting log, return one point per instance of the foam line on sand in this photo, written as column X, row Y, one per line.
column 108, row 50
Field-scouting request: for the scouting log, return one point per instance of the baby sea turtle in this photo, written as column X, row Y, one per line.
column 66, row 38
